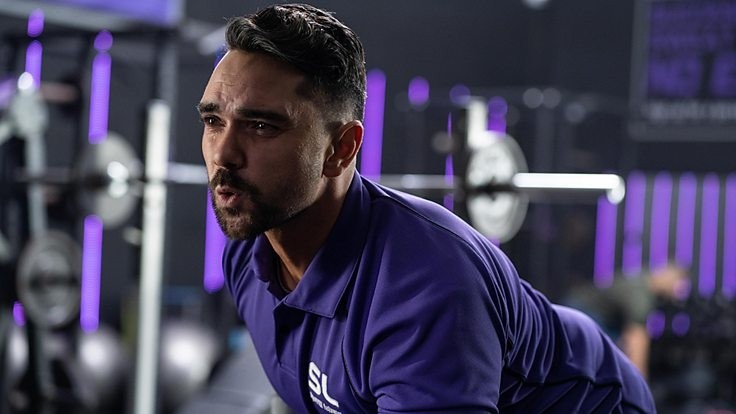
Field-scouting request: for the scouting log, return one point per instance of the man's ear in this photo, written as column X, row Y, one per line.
column 344, row 148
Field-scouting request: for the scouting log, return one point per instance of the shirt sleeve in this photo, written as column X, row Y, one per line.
column 437, row 340
column 633, row 298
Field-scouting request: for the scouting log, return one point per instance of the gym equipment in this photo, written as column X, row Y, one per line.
column 16, row 360
column 89, row 373
column 48, row 283
column 111, row 202
column 49, row 279
column 189, row 352
column 43, row 369
column 104, row 364
column 27, row 117
column 117, row 196
column 496, row 186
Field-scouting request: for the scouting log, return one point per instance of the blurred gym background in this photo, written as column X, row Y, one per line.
column 111, row 295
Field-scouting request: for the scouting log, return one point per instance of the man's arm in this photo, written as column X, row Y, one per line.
column 437, row 345
column 635, row 343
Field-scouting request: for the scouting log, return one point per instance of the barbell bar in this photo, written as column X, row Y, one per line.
column 541, row 186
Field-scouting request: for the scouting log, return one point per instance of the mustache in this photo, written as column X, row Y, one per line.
column 230, row 179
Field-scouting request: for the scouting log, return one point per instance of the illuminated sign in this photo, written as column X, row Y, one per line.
column 684, row 70
column 163, row 12
column 96, row 15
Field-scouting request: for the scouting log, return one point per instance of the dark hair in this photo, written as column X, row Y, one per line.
column 312, row 40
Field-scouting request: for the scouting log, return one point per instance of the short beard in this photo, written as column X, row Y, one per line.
column 232, row 221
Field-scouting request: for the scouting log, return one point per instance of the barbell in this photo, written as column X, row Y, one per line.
column 48, row 279
column 497, row 188
column 108, row 180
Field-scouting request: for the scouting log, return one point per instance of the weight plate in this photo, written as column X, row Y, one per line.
column 49, row 279
column 107, row 175
column 497, row 215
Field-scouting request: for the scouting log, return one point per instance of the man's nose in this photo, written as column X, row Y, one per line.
column 228, row 152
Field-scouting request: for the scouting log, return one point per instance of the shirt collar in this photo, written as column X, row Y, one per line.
column 328, row 275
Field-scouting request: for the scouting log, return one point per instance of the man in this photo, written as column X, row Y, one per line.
column 360, row 299
column 622, row 309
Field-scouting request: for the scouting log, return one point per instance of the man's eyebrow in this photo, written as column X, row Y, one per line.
column 207, row 107
column 245, row 113
column 267, row 115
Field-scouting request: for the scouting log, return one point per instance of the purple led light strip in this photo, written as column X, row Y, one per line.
column 89, row 306
column 708, row 235
column 215, row 241
column 605, row 243
column 370, row 160
column 99, row 103
column 34, row 52
column 18, row 314
column 35, row 23
column 34, row 56
column 633, row 224
column 729, row 239
column 449, row 200
column 685, row 220
column 660, row 221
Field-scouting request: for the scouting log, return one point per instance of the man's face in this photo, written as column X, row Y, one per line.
column 264, row 143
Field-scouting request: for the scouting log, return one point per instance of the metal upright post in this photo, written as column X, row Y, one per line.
column 152, row 255
column 158, row 138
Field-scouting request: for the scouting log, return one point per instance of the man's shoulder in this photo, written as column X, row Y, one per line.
column 401, row 214
column 410, row 236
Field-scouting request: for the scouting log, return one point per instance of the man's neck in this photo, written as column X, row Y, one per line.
column 298, row 241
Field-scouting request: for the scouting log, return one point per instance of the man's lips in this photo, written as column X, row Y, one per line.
column 227, row 196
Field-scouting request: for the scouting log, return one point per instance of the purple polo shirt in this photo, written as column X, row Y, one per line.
column 406, row 308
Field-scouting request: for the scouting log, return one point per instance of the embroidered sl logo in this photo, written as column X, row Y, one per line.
column 318, row 384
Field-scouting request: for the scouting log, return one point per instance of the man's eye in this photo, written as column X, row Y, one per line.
column 209, row 120
column 263, row 128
